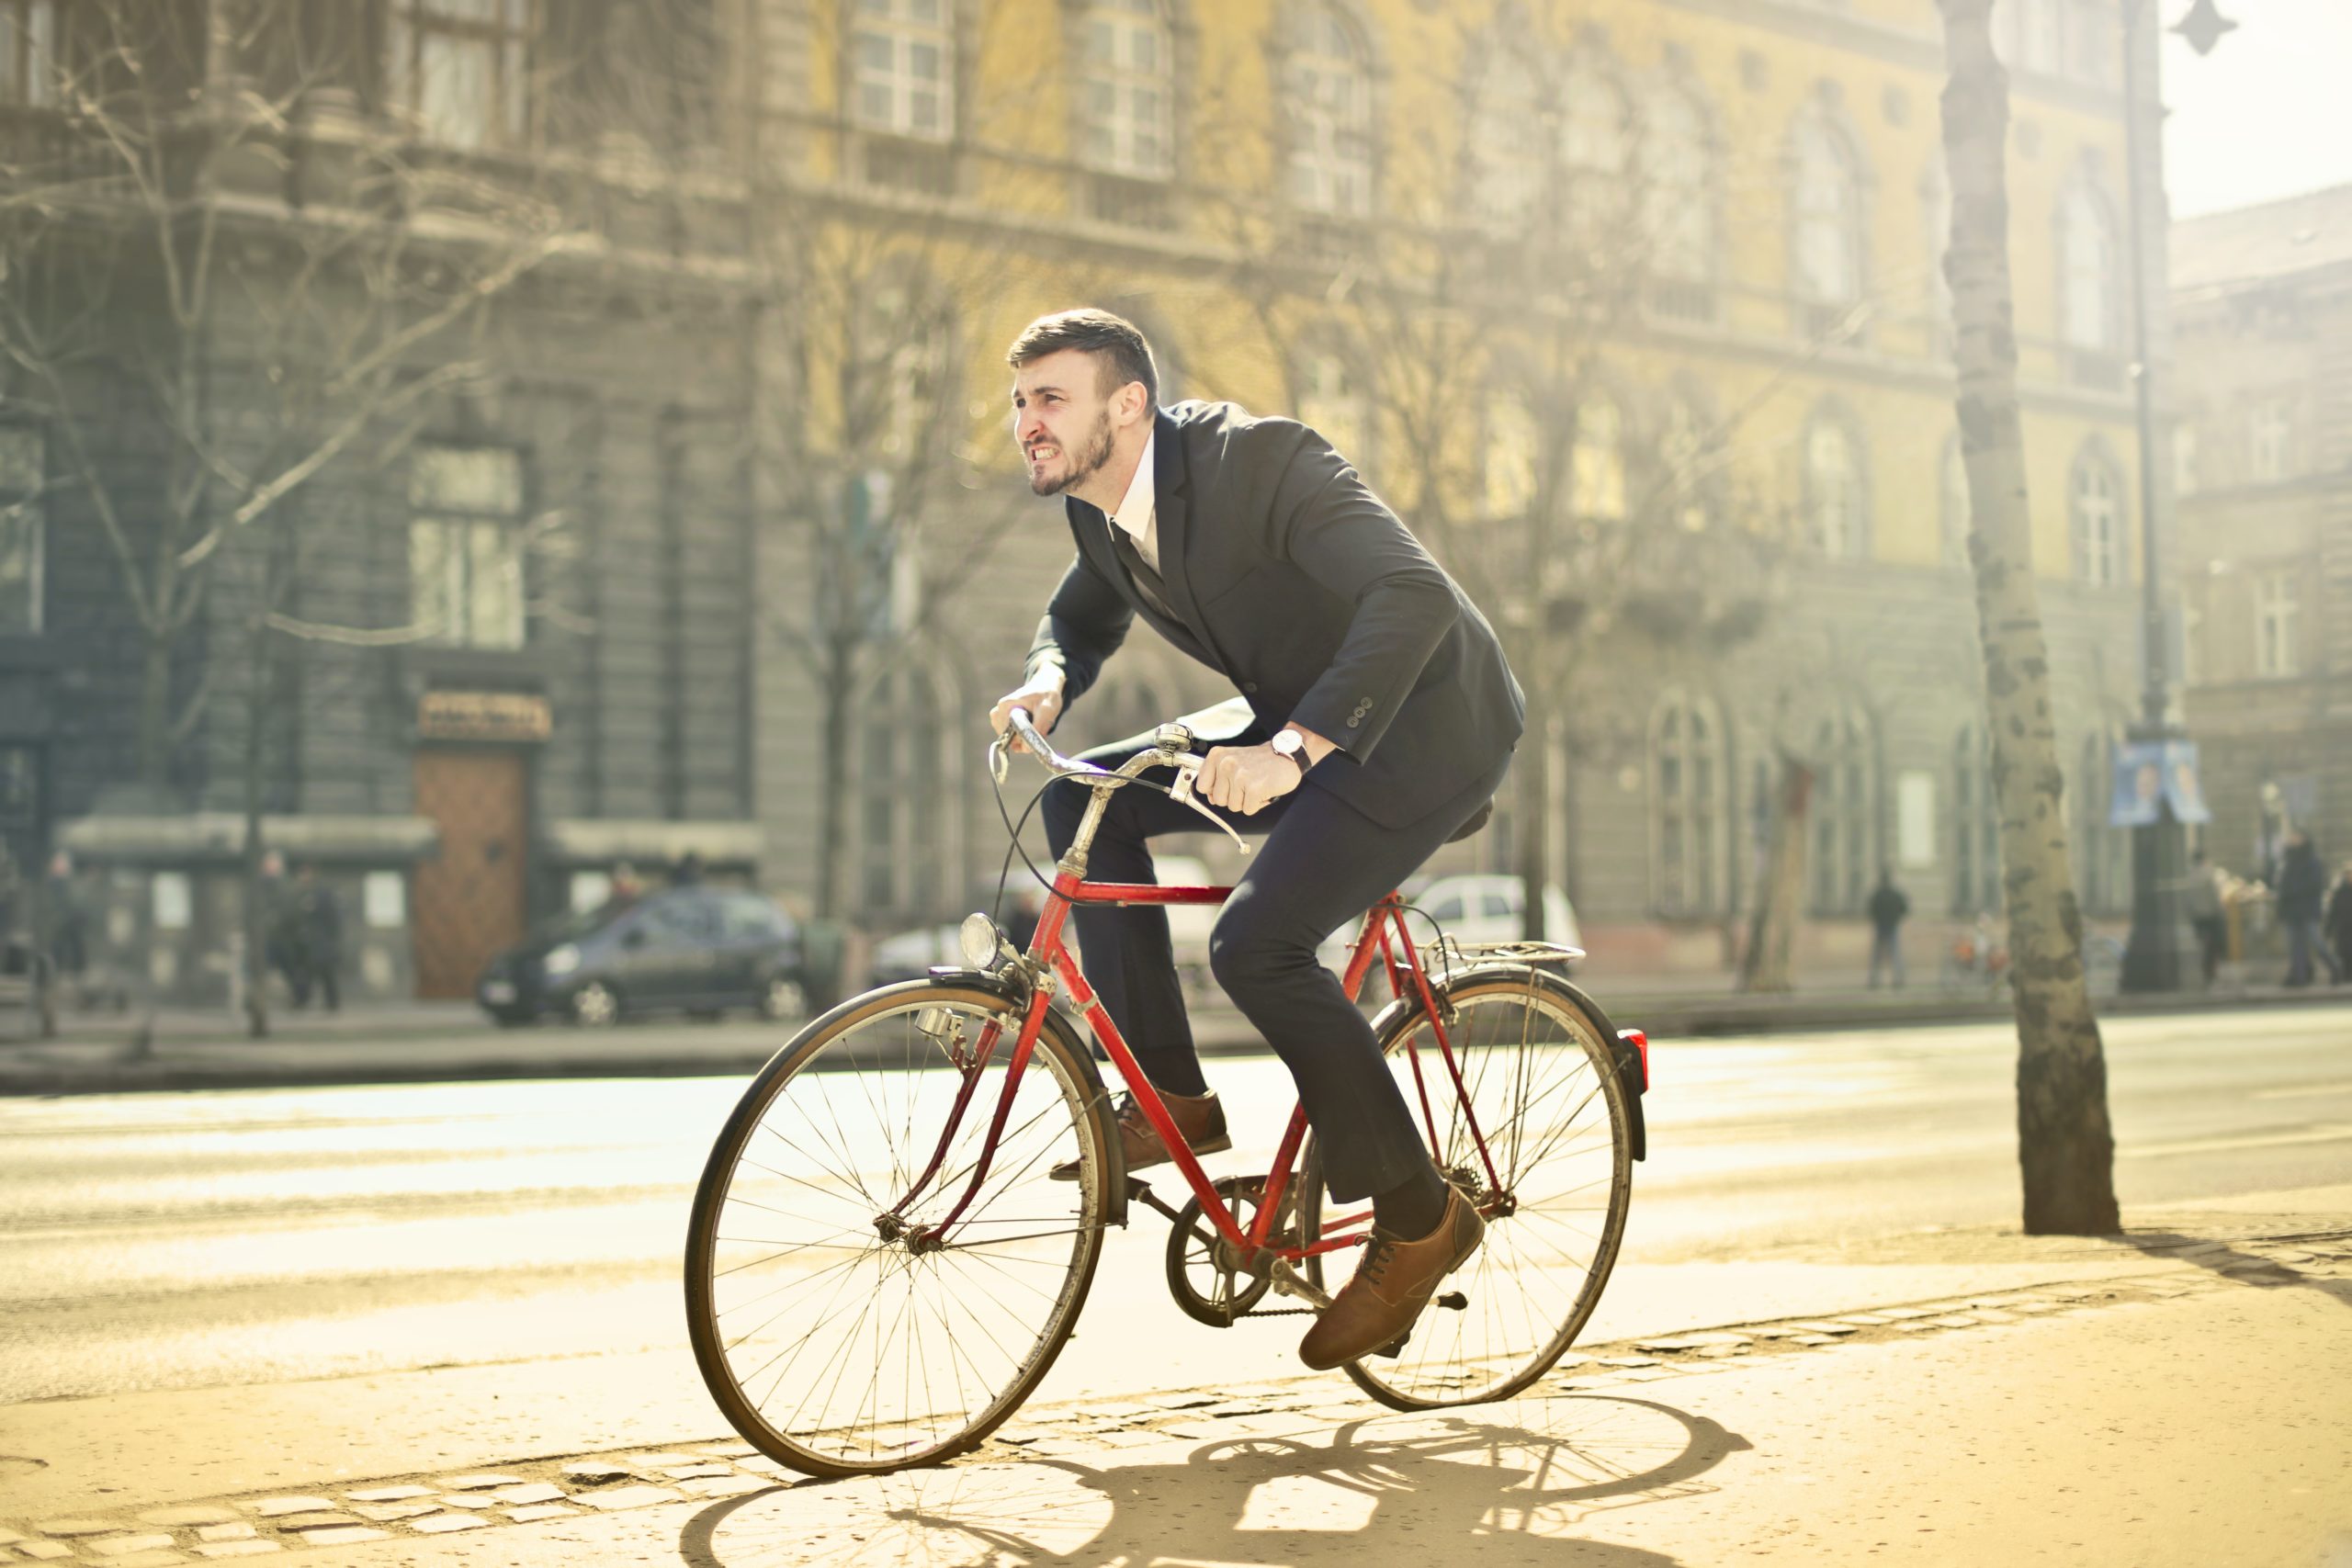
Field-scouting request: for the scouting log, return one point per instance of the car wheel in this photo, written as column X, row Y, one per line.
column 595, row 1006
column 784, row 998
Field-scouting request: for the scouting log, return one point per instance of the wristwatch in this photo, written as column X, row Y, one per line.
column 1290, row 743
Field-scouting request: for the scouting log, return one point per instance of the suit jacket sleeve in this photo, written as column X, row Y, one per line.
column 1084, row 624
column 1328, row 523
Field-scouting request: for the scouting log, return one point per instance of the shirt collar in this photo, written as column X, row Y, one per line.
column 1136, row 510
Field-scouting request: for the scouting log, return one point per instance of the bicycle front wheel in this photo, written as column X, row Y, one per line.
column 1528, row 1117
column 832, row 1333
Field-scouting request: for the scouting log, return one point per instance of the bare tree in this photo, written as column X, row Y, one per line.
column 2065, row 1146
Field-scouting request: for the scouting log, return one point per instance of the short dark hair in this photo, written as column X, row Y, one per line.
column 1122, row 354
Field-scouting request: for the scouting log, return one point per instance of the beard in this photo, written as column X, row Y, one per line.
column 1083, row 465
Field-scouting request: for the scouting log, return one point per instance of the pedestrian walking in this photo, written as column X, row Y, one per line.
column 319, row 927
column 2208, row 907
column 65, row 923
column 2339, row 924
column 1888, row 906
column 2302, row 890
column 281, row 928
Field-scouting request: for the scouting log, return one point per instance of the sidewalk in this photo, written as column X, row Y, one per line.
column 2175, row 1398
column 453, row 1042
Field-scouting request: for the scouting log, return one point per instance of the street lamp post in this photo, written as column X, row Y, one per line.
column 2160, row 954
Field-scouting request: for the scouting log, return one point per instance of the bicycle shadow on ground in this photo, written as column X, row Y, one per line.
column 1511, row 1482
column 2231, row 1263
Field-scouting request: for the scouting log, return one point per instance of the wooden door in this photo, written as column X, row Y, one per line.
column 469, row 898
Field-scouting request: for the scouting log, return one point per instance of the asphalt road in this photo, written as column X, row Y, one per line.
column 186, row 1241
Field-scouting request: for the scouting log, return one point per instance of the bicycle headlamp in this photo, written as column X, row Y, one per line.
column 984, row 945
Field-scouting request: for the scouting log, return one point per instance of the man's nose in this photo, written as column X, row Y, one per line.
column 1026, row 425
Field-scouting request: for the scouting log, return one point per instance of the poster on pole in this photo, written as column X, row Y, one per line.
column 2153, row 774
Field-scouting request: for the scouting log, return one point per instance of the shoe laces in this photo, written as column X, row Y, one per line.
column 1378, row 1254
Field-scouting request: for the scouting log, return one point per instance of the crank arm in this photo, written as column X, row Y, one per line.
column 1291, row 1282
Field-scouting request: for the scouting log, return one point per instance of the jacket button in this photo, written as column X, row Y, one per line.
column 1355, row 723
column 1249, row 688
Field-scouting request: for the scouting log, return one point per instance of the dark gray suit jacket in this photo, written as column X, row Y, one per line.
column 1286, row 574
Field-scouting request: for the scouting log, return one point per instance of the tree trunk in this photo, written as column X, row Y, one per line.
column 256, row 919
column 1534, row 770
column 1780, row 898
column 155, row 713
column 2065, row 1148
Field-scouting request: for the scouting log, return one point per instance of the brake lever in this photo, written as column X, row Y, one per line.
column 1188, row 771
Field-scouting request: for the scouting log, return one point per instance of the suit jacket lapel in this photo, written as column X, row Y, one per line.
column 1171, row 511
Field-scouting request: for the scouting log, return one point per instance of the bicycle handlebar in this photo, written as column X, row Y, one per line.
column 1167, row 754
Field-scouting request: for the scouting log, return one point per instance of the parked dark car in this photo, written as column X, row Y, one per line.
column 696, row 950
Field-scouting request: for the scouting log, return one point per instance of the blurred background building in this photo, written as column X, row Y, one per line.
column 2262, row 308
column 475, row 444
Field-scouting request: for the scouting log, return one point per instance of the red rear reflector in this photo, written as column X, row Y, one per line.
column 1640, row 1042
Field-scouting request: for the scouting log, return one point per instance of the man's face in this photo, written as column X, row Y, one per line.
column 1062, row 420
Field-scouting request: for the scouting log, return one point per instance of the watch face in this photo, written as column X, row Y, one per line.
column 1288, row 742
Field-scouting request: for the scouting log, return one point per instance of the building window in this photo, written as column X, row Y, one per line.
column 1596, row 153
column 2095, row 515
column 1508, row 126
column 1976, row 826
column 1845, row 814
column 1690, row 808
column 1331, row 401
column 1679, row 212
column 28, row 52
column 465, row 545
column 1513, row 445
column 902, row 798
column 1957, row 517
column 1130, row 97
column 1328, row 96
column 459, row 70
column 905, row 52
column 1827, row 227
column 2277, row 615
column 23, row 517
column 1597, row 463
column 1834, row 501
column 2089, row 320
column 1685, row 448
column 2270, row 430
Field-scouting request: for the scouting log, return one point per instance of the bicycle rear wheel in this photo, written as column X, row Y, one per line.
column 833, row 1338
column 1539, row 1086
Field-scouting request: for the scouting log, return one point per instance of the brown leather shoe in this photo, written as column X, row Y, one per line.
column 1199, row 1117
column 1393, row 1283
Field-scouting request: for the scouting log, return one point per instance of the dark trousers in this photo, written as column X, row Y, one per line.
column 1322, row 865
column 2212, row 940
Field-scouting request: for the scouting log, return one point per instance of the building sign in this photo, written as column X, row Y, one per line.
column 2151, row 773
column 483, row 715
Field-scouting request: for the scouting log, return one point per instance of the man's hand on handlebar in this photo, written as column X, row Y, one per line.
column 1245, row 779
column 1042, row 697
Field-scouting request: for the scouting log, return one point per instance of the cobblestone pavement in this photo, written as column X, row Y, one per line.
column 527, row 1491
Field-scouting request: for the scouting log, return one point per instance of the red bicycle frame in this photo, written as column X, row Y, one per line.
column 1383, row 935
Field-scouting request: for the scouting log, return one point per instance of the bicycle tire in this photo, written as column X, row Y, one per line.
column 1479, row 1352
column 927, row 1394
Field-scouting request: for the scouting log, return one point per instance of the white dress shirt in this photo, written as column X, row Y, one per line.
column 1138, row 513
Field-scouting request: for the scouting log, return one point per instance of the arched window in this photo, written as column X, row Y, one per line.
column 2104, row 881
column 1508, row 127
column 1596, row 152
column 1845, row 814
column 1515, row 445
column 1331, row 401
column 1826, row 225
column 1130, row 103
column 1328, row 96
column 1597, row 469
column 904, row 55
column 1679, row 207
column 1690, row 808
column 1975, row 827
column 901, row 800
column 1836, row 504
column 2095, row 519
column 1958, row 520
column 2090, row 299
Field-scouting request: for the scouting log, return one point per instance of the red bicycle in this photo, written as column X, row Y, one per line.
column 880, row 1267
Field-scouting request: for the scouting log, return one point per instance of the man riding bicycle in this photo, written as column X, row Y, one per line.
column 1384, row 717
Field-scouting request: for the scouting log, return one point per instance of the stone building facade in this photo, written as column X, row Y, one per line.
column 2262, row 306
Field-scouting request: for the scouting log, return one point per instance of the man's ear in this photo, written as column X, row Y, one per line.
column 1135, row 401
